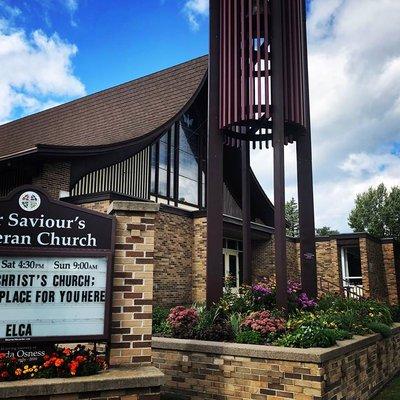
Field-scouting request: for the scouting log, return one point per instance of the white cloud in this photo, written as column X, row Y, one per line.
column 35, row 72
column 72, row 5
column 354, row 66
column 195, row 10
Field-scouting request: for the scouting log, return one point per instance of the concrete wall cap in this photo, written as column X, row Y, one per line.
column 313, row 355
column 113, row 379
column 135, row 206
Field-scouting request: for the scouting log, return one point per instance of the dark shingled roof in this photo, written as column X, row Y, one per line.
column 119, row 114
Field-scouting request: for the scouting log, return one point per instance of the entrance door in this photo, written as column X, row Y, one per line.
column 351, row 270
column 231, row 266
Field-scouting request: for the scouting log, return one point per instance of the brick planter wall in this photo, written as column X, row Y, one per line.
column 355, row 369
column 116, row 384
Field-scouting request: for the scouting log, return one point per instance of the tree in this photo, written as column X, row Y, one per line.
column 326, row 231
column 377, row 212
column 392, row 213
column 292, row 218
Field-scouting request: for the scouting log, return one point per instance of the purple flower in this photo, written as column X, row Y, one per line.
column 293, row 287
column 261, row 290
column 305, row 303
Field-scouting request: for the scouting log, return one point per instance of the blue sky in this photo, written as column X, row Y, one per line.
column 117, row 40
column 53, row 51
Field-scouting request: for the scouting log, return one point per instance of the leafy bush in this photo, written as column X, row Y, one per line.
column 309, row 336
column 250, row 316
column 359, row 311
column 236, row 323
column 378, row 327
column 183, row 321
column 160, row 325
column 395, row 312
column 232, row 302
column 341, row 334
column 212, row 326
column 264, row 323
column 249, row 337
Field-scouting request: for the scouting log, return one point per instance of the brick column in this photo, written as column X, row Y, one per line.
column 390, row 271
column 133, row 282
column 199, row 259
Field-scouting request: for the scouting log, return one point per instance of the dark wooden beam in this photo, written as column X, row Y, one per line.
column 246, row 213
column 305, row 189
column 277, row 88
column 215, row 146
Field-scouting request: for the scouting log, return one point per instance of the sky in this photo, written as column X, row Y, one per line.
column 53, row 51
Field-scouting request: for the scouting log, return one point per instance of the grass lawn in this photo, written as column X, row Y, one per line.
column 391, row 392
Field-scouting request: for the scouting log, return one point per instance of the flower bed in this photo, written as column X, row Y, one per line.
column 62, row 363
column 251, row 316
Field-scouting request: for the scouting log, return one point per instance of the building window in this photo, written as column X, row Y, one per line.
column 351, row 268
column 175, row 161
column 233, row 262
column 188, row 165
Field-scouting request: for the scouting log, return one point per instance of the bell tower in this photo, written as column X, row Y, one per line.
column 258, row 96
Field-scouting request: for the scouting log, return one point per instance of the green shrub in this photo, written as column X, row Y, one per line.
column 212, row 325
column 395, row 312
column 349, row 320
column 309, row 336
column 358, row 312
column 378, row 327
column 341, row 334
column 160, row 315
column 236, row 320
column 249, row 337
column 232, row 302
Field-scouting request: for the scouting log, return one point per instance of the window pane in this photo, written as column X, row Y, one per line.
column 232, row 244
column 164, row 138
column 188, row 141
column 163, row 155
column 171, row 185
column 153, row 168
column 232, row 269
column 188, row 166
column 354, row 261
column 188, row 191
column 240, row 268
column 162, row 182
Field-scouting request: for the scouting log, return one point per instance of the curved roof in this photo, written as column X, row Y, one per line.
column 120, row 114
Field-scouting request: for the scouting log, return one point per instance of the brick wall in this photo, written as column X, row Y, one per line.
column 132, row 282
column 388, row 252
column 114, row 384
column 355, row 369
column 263, row 259
column 328, row 265
column 373, row 268
column 199, row 259
column 53, row 178
column 173, row 259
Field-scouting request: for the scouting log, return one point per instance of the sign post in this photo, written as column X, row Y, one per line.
column 55, row 270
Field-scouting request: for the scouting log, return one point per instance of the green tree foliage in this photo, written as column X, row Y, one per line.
column 326, row 231
column 292, row 218
column 377, row 211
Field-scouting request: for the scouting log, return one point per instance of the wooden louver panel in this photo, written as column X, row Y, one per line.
column 245, row 74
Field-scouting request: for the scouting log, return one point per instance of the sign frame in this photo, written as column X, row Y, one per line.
column 67, row 252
